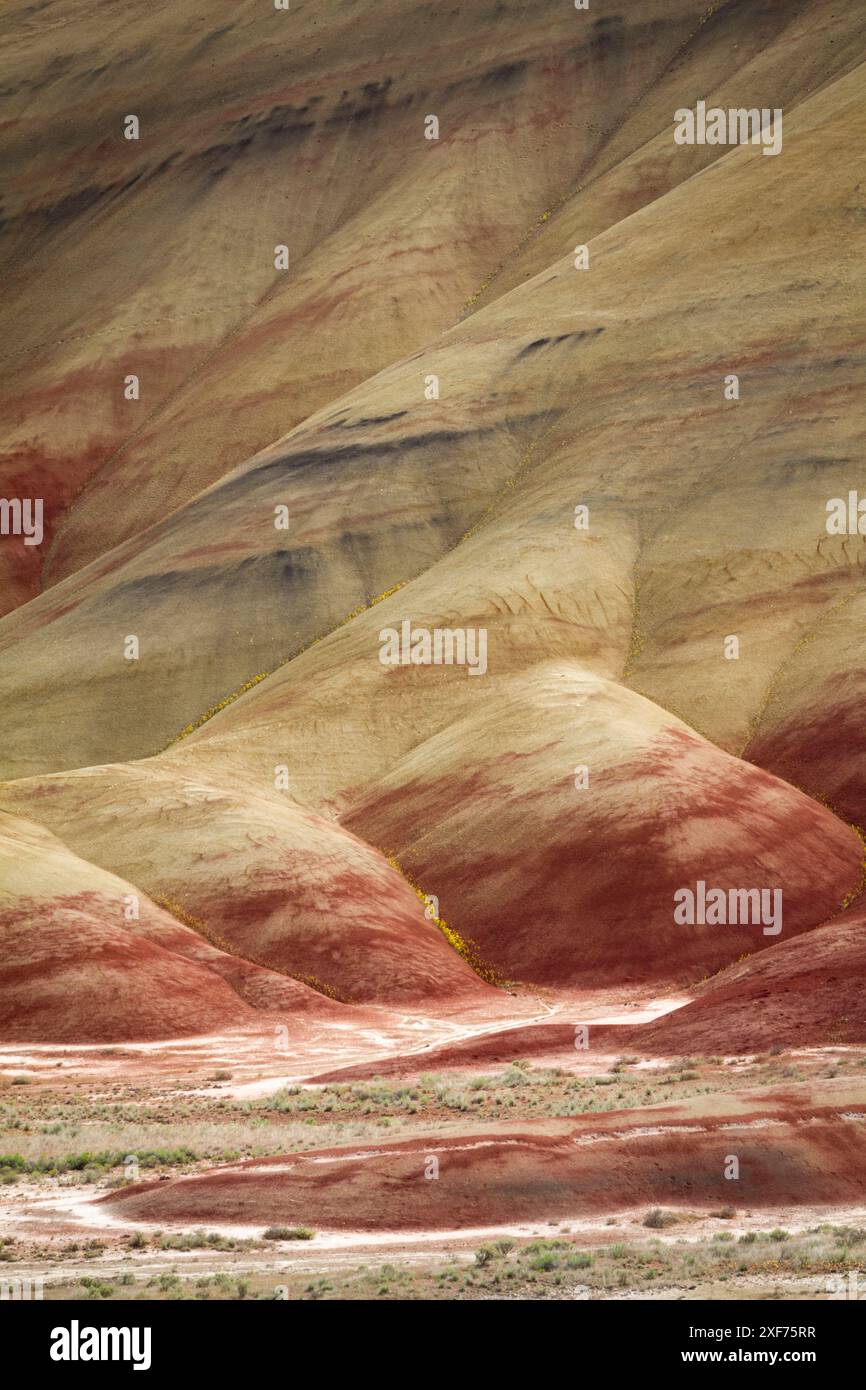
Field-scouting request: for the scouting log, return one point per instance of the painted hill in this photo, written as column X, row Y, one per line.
column 463, row 426
column 80, row 966
column 258, row 128
column 602, row 388
column 264, row 879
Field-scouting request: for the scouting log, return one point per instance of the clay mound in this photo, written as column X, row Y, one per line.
column 665, row 1155
column 453, row 772
column 601, row 390
column 560, row 885
column 807, row 992
column 261, row 876
column 71, row 975
column 76, row 969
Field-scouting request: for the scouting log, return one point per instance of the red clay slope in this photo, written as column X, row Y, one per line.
column 561, row 886
column 262, row 877
column 70, row 975
column 807, row 992
column 75, row 968
column 673, row 1155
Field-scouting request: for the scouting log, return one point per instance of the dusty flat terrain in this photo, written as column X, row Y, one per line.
column 155, row 1171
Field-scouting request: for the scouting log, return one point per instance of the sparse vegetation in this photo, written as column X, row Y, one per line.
column 658, row 1219
column 66, row 1135
column 90, row 1165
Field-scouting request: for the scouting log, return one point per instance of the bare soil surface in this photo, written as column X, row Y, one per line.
column 226, row 1167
